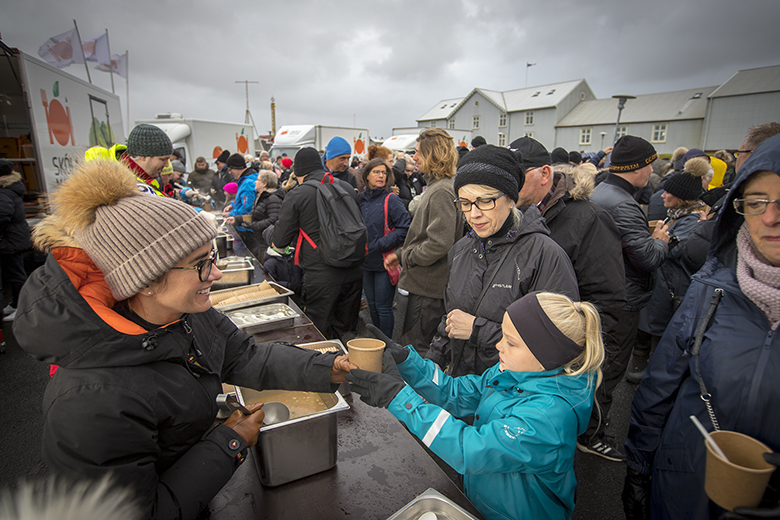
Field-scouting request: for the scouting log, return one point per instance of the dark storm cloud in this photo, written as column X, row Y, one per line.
column 382, row 65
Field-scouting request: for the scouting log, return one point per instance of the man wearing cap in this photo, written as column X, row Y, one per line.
column 629, row 171
column 221, row 178
column 337, row 155
column 245, row 178
column 148, row 151
column 331, row 295
column 592, row 241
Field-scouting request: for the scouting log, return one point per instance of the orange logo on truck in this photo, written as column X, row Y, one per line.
column 463, row 142
column 241, row 143
column 58, row 119
column 217, row 152
column 360, row 146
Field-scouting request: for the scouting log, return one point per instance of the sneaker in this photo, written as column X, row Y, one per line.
column 636, row 377
column 10, row 317
column 8, row 309
column 604, row 446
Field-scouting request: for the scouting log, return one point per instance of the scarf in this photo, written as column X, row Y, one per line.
column 681, row 211
column 759, row 280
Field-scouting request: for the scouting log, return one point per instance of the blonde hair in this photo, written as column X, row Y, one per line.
column 268, row 178
column 438, row 153
column 266, row 165
column 580, row 322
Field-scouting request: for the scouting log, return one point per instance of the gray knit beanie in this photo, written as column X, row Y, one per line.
column 138, row 239
column 148, row 141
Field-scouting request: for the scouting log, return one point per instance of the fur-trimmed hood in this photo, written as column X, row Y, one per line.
column 74, row 203
column 8, row 180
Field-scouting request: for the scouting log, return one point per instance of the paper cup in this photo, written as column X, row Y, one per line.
column 366, row 353
column 742, row 480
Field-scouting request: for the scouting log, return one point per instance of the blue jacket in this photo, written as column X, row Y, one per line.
column 517, row 459
column 372, row 206
column 739, row 359
column 245, row 196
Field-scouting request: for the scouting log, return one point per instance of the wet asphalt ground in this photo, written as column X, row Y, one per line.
column 23, row 380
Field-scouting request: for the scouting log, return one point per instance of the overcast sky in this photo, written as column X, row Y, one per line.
column 383, row 64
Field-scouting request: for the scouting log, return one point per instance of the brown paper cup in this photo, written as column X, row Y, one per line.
column 366, row 353
column 743, row 479
column 246, row 219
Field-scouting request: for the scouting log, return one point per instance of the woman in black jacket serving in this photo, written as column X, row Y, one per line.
column 122, row 306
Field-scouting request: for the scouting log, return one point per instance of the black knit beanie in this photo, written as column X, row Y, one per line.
column 491, row 166
column 533, row 153
column 631, row 153
column 6, row 167
column 223, row 157
column 559, row 156
column 148, row 141
column 306, row 161
column 684, row 186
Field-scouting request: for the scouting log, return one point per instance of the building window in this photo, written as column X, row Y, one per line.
column 659, row 133
column 475, row 123
column 536, row 93
column 501, row 139
column 528, row 134
column 502, row 120
column 621, row 131
column 585, row 134
column 529, row 118
column 433, row 124
column 551, row 92
column 451, row 123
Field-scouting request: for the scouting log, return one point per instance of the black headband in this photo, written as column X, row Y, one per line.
column 546, row 342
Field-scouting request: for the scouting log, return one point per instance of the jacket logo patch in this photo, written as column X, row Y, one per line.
column 500, row 286
column 513, row 432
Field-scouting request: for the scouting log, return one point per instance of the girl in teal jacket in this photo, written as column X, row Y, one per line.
column 517, row 459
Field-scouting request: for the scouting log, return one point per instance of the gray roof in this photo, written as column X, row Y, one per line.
column 441, row 110
column 667, row 106
column 750, row 81
column 531, row 98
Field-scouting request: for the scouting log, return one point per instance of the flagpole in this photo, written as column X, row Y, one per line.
column 82, row 50
column 127, row 82
column 111, row 61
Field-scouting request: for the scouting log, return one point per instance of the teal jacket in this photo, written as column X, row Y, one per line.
column 517, row 459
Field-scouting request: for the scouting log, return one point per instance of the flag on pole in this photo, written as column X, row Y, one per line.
column 62, row 50
column 118, row 65
column 96, row 49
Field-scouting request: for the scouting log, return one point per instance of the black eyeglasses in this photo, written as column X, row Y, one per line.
column 736, row 153
column 481, row 204
column 204, row 266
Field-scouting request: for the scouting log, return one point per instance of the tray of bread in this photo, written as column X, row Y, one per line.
column 249, row 296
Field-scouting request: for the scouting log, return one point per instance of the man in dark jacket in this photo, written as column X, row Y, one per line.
column 14, row 234
column 630, row 169
column 337, row 155
column 409, row 181
column 331, row 295
column 592, row 241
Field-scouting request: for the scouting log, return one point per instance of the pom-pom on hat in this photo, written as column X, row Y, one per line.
column 631, row 153
column 148, row 141
column 686, row 185
column 491, row 166
column 133, row 238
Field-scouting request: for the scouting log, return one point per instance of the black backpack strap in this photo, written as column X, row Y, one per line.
column 704, row 324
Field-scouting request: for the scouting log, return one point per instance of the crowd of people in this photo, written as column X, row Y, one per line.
column 535, row 281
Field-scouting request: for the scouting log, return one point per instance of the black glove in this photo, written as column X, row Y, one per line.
column 636, row 495
column 377, row 389
column 397, row 351
column 755, row 513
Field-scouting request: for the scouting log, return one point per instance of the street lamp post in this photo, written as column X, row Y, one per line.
column 622, row 98
column 602, row 139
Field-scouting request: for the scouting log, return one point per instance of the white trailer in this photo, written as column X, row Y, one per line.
column 201, row 138
column 290, row 139
column 49, row 118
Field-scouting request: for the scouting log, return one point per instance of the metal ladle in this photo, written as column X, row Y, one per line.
column 275, row 412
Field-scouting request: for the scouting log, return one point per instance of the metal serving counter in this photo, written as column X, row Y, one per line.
column 380, row 468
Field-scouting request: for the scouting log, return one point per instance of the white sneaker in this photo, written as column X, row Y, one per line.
column 10, row 317
column 8, row 309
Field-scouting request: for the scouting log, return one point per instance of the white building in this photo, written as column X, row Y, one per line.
column 749, row 98
column 502, row 117
column 667, row 120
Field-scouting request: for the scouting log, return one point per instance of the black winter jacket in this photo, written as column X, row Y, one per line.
column 408, row 187
column 642, row 254
column 141, row 404
column 535, row 263
column 592, row 241
column 14, row 231
column 299, row 211
column 265, row 213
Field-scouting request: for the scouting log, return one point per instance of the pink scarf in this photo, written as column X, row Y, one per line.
column 758, row 279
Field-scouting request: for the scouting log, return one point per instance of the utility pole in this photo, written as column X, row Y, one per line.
column 273, row 118
column 248, row 116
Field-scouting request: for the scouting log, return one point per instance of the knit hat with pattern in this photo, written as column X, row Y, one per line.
column 148, row 141
column 133, row 238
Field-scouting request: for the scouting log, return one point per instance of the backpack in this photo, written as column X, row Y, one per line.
column 343, row 236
